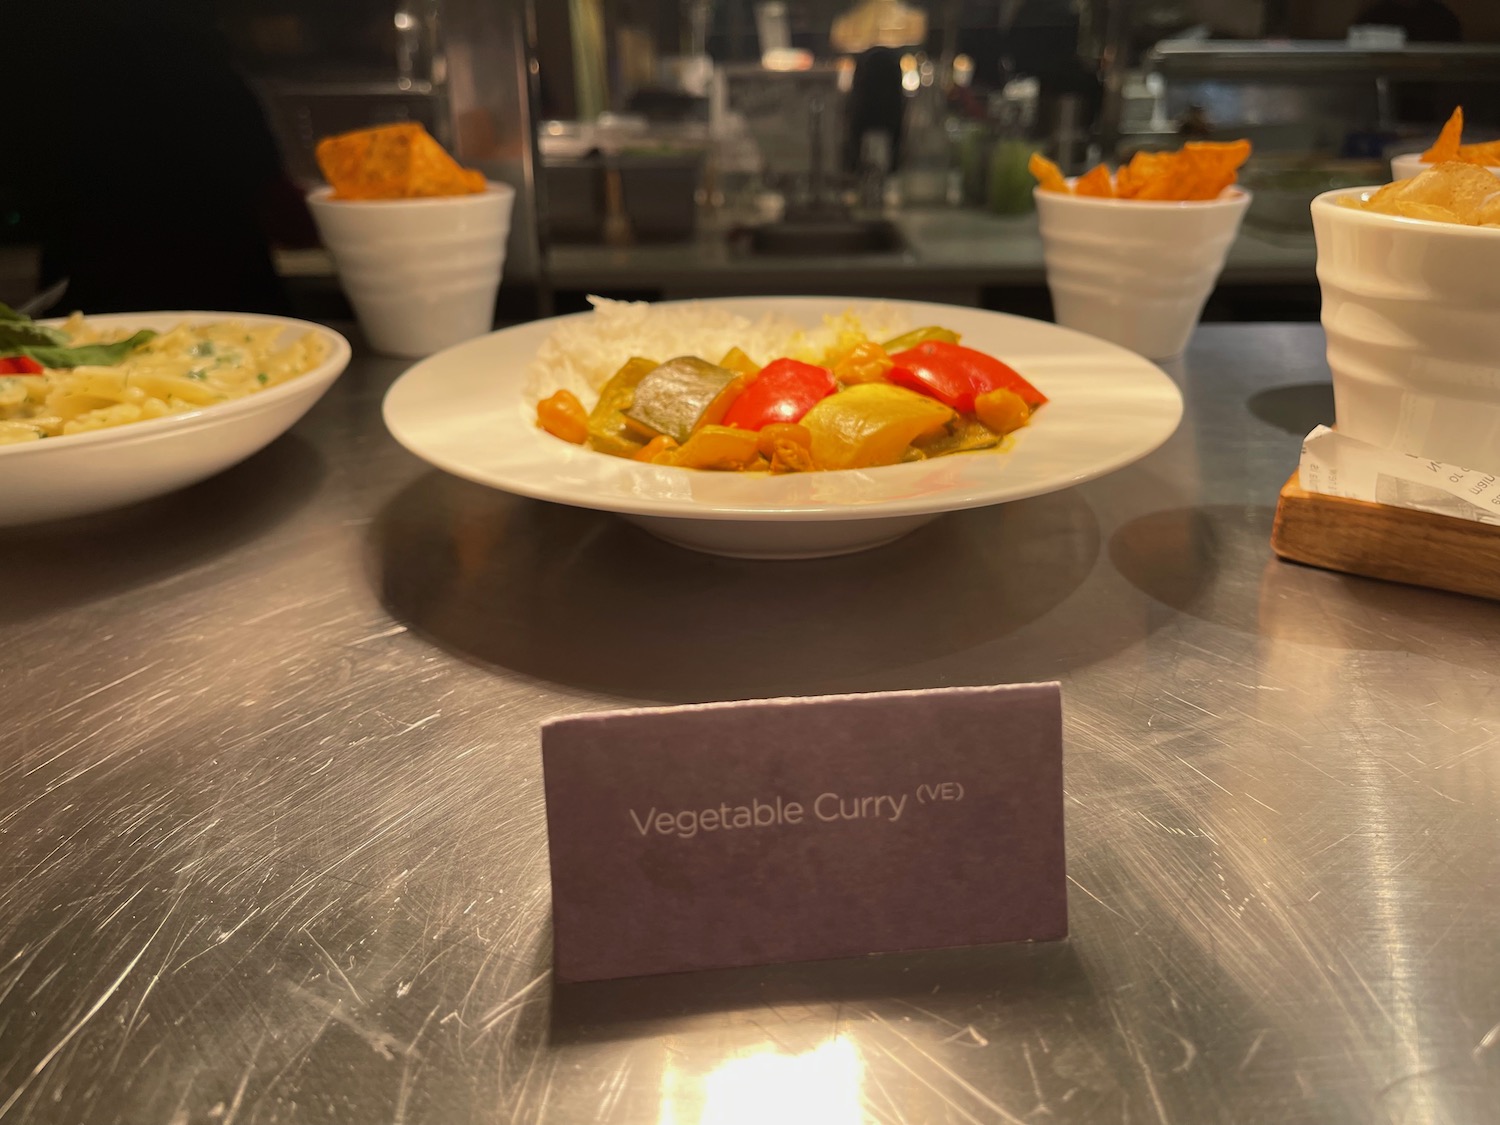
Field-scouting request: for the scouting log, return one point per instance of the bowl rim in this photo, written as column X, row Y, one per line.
column 317, row 379
column 1327, row 203
column 1395, row 156
column 1233, row 196
column 322, row 196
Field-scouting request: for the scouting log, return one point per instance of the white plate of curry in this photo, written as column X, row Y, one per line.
column 466, row 410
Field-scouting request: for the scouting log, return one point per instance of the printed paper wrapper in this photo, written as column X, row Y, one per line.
column 1335, row 465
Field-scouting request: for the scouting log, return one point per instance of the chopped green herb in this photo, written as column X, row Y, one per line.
column 262, row 378
column 196, row 375
column 202, row 347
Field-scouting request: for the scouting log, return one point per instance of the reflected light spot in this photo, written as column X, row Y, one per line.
column 820, row 1087
column 787, row 59
column 845, row 70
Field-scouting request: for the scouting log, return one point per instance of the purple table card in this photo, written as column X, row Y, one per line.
column 774, row 830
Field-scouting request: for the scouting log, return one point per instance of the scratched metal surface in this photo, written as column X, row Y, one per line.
column 271, row 843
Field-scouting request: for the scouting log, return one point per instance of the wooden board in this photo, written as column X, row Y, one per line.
column 1379, row 541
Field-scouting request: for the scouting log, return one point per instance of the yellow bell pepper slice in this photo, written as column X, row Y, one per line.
column 871, row 424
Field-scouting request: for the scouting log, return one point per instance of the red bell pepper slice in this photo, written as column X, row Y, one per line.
column 784, row 390
column 19, row 365
column 955, row 375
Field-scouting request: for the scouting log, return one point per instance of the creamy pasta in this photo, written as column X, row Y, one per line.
column 187, row 368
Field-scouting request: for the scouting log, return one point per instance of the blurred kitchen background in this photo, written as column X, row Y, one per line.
column 670, row 148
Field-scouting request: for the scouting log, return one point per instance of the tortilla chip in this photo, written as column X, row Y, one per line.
column 1144, row 170
column 432, row 171
column 1486, row 154
column 1096, row 182
column 1200, row 170
column 1213, row 166
column 1047, row 174
column 1446, row 146
column 396, row 161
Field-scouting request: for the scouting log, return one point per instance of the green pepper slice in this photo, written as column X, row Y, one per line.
column 609, row 432
column 680, row 395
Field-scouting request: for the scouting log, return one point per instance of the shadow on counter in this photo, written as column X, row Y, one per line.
column 585, row 599
column 76, row 561
column 1295, row 408
column 1203, row 561
column 1024, row 974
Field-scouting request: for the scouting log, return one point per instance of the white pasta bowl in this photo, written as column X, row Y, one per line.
column 78, row 474
column 1409, row 313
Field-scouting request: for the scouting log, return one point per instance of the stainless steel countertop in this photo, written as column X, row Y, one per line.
column 271, row 838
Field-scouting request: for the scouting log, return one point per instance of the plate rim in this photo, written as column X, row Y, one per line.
column 687, row 509
column 320, row 376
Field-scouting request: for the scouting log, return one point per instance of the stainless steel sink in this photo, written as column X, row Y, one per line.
column 821, row 237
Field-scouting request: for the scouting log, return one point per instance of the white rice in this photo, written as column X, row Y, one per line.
column 583, row 352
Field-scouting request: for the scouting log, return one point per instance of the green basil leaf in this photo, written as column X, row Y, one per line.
column 84, row 355
column 27, row 333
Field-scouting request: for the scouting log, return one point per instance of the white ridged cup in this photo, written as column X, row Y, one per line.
column 1136, row 273
column 422, row 274
column 1409, row 310
column 1410, row 164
